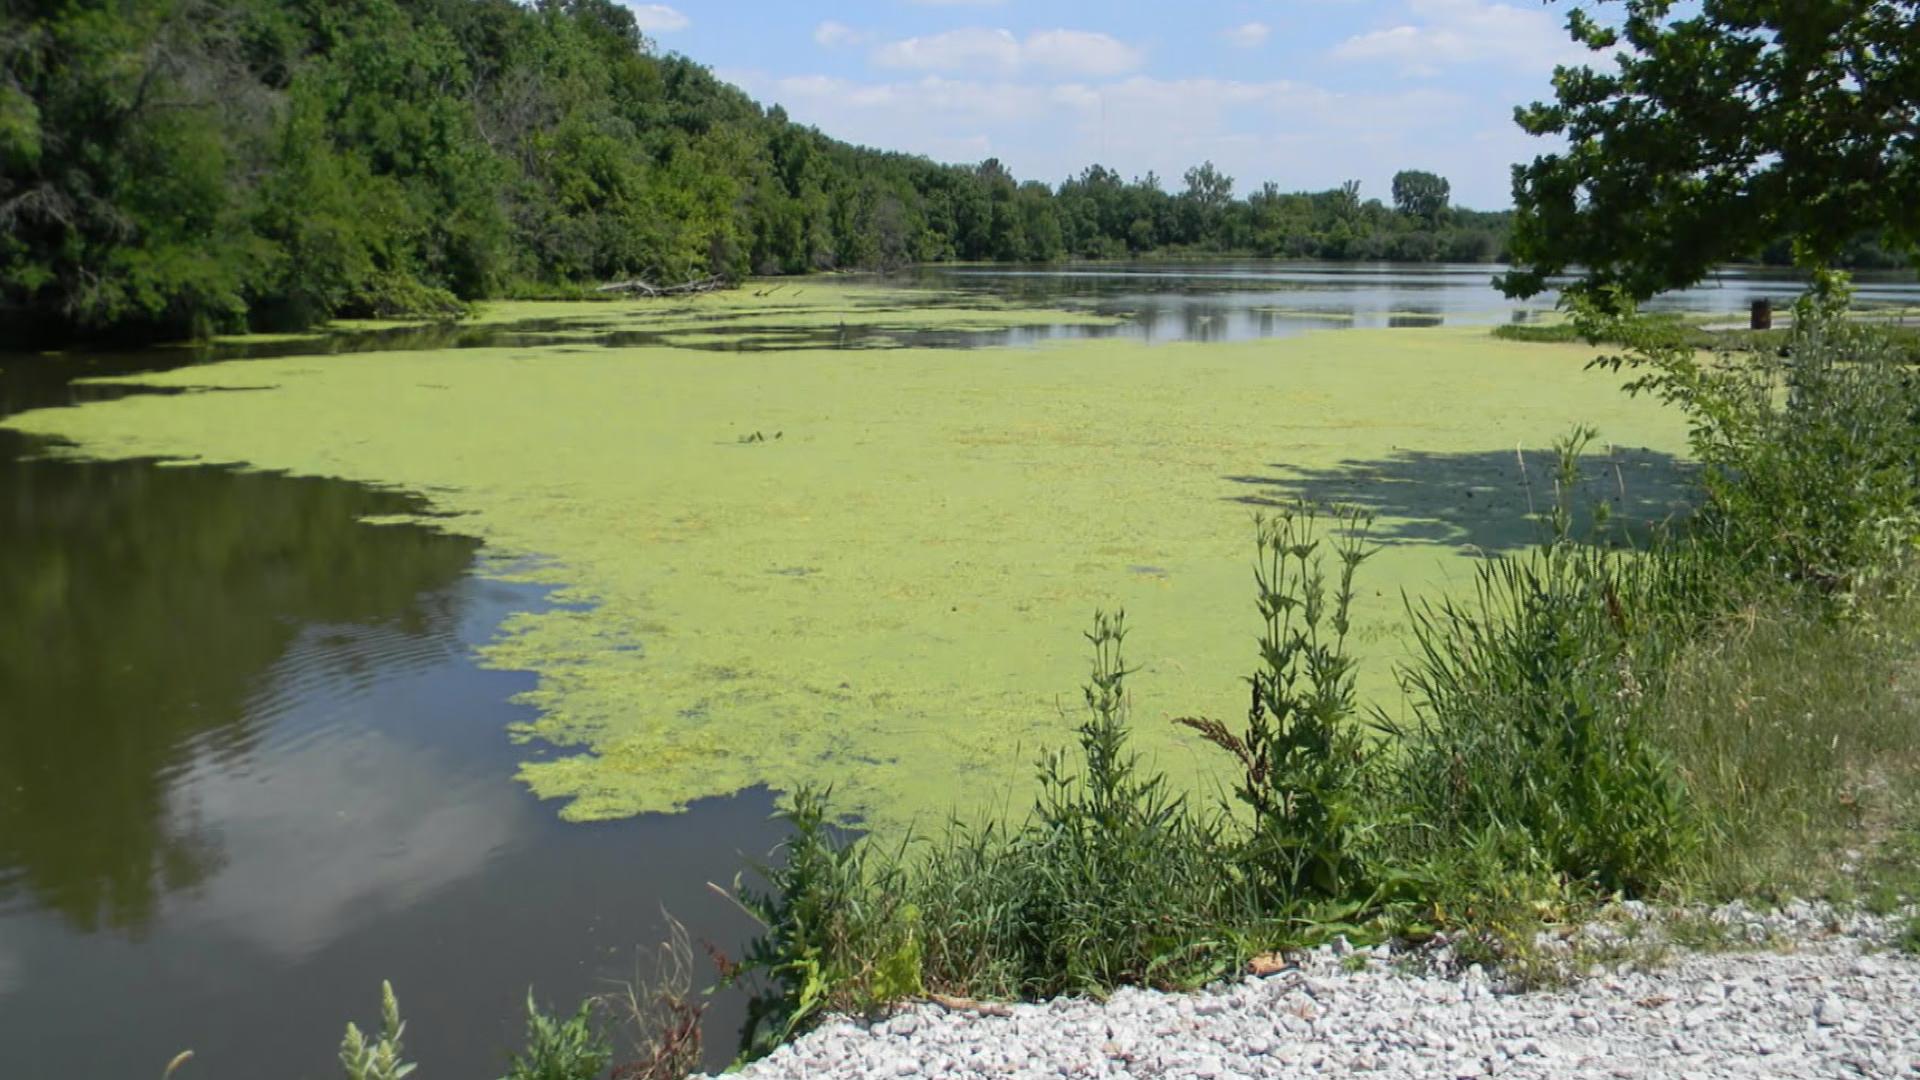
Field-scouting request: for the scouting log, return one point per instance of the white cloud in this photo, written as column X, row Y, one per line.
column 1248, row 35
column 1081, row 52
column 1000, row 52
column 658, row 18
column 952, row 50
column 1439, row 34
column 346, row 827
column 1299, row 135
column 832, row 34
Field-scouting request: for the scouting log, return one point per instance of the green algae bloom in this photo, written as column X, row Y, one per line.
column 885, row 591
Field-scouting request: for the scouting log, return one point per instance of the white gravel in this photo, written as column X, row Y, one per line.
column 1825, row 997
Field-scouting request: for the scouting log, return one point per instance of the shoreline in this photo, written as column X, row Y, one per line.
column 1805, row 990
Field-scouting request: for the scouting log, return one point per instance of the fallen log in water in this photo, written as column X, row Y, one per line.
column 642, row 287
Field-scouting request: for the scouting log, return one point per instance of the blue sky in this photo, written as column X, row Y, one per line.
column 1307, row 93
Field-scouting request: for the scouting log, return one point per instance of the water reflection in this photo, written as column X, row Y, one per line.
column 1153, row 302
column 143, row 607
column 249, row 768
column 377, row 824
column 1245, row 300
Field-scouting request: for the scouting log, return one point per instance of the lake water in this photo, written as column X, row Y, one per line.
column 249, row 767
column 1240, row 301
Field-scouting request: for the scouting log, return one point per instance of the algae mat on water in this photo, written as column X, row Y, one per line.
column 886, row 593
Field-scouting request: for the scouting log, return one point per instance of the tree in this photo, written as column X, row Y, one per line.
column 1421, row 195
column 1347, row 199
column 1718, row 133
column 1208, row 193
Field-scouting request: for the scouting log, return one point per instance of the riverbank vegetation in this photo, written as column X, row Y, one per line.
column 186, row 167
column 1726, row 711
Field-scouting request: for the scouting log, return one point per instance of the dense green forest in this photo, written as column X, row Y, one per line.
column 185, row 166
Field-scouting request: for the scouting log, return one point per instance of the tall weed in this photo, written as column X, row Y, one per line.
column 838, row 934
column 1530, row 702
column 663, row 1013
column 1113, row 879
column 1302, row 758
column 381, row 1058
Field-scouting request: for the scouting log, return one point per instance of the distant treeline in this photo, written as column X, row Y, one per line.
column 186, row 166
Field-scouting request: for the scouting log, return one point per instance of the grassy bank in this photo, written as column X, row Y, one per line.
column 1894, row 326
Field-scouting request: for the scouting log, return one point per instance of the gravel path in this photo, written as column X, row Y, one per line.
column 1825, row 997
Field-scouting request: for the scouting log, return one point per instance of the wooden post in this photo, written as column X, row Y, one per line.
column 1762, row 315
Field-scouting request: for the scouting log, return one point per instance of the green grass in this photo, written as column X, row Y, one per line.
column 1690, row 331
column 1800, row 733
column 1909, row 940
column 1672, row 328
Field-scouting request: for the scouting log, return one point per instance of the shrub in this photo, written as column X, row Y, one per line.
column 1810, row 453
column 838, row 935
column 1530, row 701
column 1529, row 712
column 1112, row 880
column 1116, row 879
column 569, row 1049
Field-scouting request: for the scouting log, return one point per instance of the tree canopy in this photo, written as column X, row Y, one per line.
column 1708, row 133
column 1421, row 194
column 173, row 167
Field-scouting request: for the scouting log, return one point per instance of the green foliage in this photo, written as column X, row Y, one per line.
column 188, row 166
column 1421, row 194
column 381, row 1058
column 1497, row 893
column 1810, row 454
column 1301, row 756
column 1109, row 883
column 1530, row 703
column 839, row 934
column 557, row 1049
column 1707, row 135
column 1909, row 940
column 1528, row 713
column 1621, row 329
